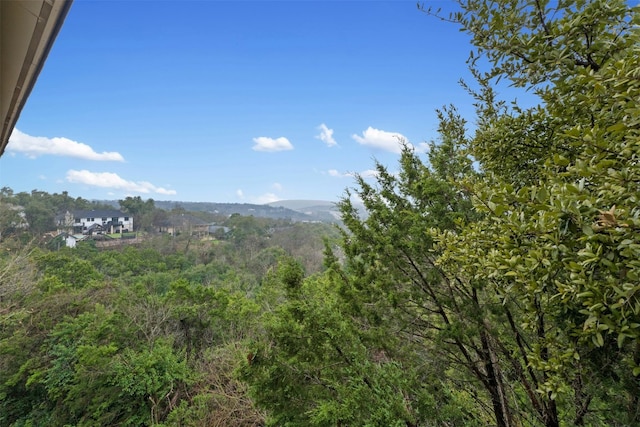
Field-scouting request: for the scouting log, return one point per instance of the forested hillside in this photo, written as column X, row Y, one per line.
column 494, row 281
column 142, row 334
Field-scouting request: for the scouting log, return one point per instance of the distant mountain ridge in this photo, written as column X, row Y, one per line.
column 319, row 210
column 298, row 205
column 295, row 210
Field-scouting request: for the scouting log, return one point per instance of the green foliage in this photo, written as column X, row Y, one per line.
column 515, row 286
column 66, row 268
column 564, row 246
column 152, row 374
column 143, row 212
column 341, row 348
column 559, row 229
column 27, row 350
column 314, row 367
column 134, row 336
column 136, row 206
column 539, row 42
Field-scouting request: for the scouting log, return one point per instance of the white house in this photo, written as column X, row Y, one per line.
column 96, row 222
column 71, row 240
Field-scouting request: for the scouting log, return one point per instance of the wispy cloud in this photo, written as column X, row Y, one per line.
column 35, row 146
column 276, row 186
column 263, row 143
column 113, row 181
column 326, row 135
column 369, row 173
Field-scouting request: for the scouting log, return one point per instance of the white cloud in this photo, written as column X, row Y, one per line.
column 265, row 198
column 34, row 146
column 276, row 186
column 326, row 135
column 334, row 172
column 388, row 141
column 113, row 181
column 369, row 173
column 423, row 147
column 259, row 200
column 264, row 143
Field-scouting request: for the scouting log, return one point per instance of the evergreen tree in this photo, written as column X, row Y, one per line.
column 513, row 289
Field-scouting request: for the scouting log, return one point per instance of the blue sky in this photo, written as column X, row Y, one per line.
column 233, row 101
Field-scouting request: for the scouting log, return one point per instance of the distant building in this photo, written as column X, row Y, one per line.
column 71, row 240
column 95, row 222
column 218, row 229
column 66, row 239
column 184, row 224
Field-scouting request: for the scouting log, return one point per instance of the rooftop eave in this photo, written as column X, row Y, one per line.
column 28, row 29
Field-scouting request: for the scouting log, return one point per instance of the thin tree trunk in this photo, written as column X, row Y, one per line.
column 550, row 416
column 495, row 384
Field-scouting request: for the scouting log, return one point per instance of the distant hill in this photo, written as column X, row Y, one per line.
column 317, row 210
column 247, row 209
column 320, row 210
column 300, row 205
column 295, row 210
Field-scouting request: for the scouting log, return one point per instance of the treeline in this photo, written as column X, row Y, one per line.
column 31, row 214
column 34, row 212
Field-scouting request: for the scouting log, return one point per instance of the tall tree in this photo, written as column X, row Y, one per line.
column 518, row 285
column 379, row 318
column 141, row 210
column 559, row 234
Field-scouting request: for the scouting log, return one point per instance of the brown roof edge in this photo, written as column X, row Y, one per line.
column 50, row 19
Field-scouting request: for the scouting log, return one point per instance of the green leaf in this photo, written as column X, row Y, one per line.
column 617, row 127
column 598, row 339
column 621, row 338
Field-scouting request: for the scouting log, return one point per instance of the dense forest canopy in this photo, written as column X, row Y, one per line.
column 138, row 334
column 494, row 281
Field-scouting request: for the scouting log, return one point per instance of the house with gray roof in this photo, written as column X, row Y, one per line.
column 95, row 222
